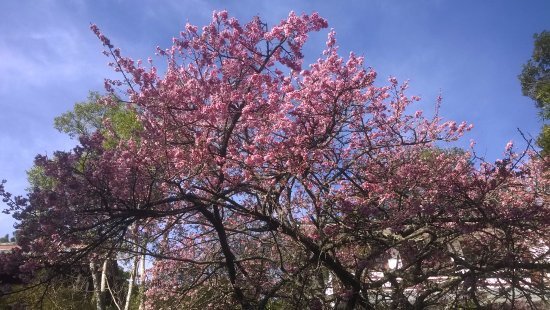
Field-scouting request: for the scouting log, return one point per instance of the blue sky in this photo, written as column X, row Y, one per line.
column 469, row 51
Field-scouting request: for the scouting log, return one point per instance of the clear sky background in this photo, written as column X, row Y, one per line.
column 470, row 51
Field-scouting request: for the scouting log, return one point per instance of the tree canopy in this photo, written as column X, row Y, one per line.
column 252, row 181
column 535, row 83
column 535, row 77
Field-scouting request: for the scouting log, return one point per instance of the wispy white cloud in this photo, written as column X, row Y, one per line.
column 48, row 60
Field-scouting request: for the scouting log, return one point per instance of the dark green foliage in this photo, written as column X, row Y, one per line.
column 70, row 291
column 535, row 83
column 543, row 140
column 535, row 77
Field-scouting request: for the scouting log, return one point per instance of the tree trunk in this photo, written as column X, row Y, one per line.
column 131, row 283
column 103, row 288
column 99, row 284
column 142, row 281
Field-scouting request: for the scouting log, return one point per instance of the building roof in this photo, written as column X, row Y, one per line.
column 7, row 247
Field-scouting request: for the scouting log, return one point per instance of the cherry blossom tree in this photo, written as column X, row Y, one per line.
column 261, row 183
